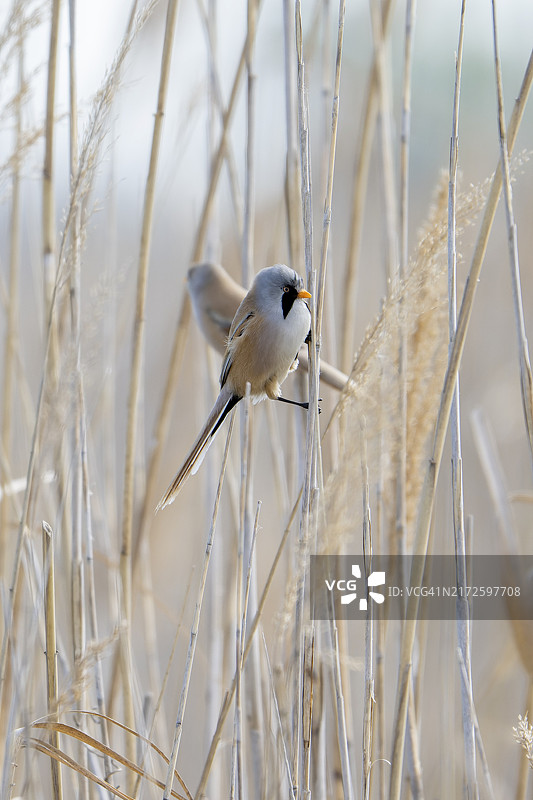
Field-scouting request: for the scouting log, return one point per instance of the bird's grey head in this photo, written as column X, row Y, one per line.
column 277, row 285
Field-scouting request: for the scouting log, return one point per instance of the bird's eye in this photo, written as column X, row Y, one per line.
column 286, row 289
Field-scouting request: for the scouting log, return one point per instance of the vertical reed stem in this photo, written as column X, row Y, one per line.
column 12, row 309
column 428, row 491
column 362, row 167
column 526, row 375
column 48, row 167
column 137, row 371
column 195, row 625
column 463, row 623
column 51, row 650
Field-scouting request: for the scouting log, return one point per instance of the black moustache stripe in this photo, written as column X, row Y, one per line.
column 287, row 300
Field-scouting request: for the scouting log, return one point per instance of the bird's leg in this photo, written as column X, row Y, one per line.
column 296, row 403
column 293, row 402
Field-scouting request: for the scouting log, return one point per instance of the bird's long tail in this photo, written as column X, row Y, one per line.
column 224, row 404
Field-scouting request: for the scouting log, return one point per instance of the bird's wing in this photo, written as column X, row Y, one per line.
column 241, row 320
column 238, row 327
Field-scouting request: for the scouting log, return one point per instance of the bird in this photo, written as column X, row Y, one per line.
column 268, row 329
column 215, row 297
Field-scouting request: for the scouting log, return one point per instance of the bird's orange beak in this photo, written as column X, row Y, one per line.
column 303, row 295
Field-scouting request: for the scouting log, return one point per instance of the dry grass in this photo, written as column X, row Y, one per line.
column 126, row 669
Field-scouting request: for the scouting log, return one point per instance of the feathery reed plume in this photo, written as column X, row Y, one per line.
column 95, row 133
column 372, row 390
column 523, row 734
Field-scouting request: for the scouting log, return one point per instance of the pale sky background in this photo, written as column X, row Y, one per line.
column 101, row 23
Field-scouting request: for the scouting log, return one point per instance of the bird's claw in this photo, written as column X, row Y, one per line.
column 306, row 405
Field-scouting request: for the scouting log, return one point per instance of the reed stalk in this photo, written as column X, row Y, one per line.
column 249, row 186
column 479, row 741
column 12, row 307
column 48, row 166
column 390, row 195
column 368, row 707
column 51, row 649
column 494, row 476
column 216, row 585
column 361, row 173
column 342, row 736
column 279, row 723
column 218, row 159
column 463, row 622
column 228, row 697
column 217, row 105
column 292, row 173
column 321, row 283
column 77, row 568
column 159, row 702
column 526, row 376
column 310, row 463
column 237, row 788
column 195, row 625
column 137, row 371
column 307, row 709
column 430, row 483
column 400, row 272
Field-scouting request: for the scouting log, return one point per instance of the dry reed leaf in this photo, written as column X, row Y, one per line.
column 89, row 741
column 63, row 758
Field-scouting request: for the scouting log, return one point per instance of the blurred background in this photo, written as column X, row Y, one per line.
column 166, row 582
